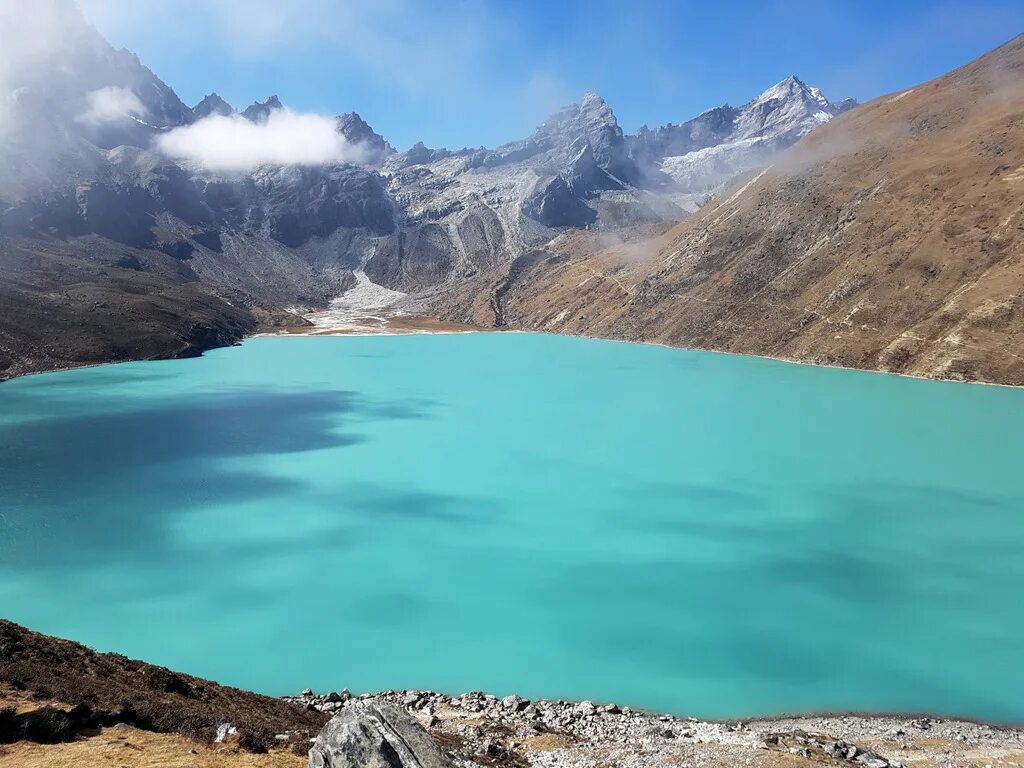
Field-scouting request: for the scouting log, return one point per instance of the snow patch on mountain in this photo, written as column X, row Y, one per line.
column 725, row 142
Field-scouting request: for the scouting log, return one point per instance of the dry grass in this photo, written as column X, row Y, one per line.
column 131, row 748
column 108, row 688
column 546, row 742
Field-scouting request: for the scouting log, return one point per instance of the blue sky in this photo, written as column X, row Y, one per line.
column 481, row 72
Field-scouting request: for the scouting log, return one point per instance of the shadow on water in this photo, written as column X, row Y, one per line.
column 64, row 449
column 377, row 503
column 79, row 488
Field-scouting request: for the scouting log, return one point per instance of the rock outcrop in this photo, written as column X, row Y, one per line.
column 212, row 105
column 369, row 734
column 371, row 147
column 260, row 111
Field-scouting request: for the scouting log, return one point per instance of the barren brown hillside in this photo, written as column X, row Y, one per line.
column 890, row 239
column 53, row 690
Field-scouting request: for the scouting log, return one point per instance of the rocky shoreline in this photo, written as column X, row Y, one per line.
column 62, row 703
column 478, row 728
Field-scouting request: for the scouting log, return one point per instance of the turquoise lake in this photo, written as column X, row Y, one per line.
column 703, row 534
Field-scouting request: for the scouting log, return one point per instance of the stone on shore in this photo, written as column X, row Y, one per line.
column 375, row 735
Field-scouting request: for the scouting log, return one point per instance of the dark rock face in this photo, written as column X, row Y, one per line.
column 259, row 112
column 123, row 214
column 209, row 239
column 585, row 174
column 421, row 154
column 710, row 128
column 289, row 204
column 88, row 300
column 298, row 203
column 413, row 259
column 212, row 105
column 557, row 205
column 372, row 735
column 372, row 149
column 483, row 237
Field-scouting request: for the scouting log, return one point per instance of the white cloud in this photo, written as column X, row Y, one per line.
column 443, row 57
column 232, row 143
column 111, row 103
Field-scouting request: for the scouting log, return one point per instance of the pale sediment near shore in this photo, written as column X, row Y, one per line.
column 378, row 325
column 481, row 729
column 368, row 309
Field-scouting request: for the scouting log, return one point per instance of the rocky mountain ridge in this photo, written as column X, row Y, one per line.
column 83, row 177
column 704, row 154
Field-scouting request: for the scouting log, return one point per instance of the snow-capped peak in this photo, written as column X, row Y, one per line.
column 786, row 89
column 721, row 143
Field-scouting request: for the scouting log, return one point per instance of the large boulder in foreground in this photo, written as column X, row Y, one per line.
column 371, row 735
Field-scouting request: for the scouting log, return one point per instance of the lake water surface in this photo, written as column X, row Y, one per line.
column 698, row 533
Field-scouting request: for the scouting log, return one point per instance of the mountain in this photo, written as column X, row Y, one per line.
column 70, row 94
column 87, row 199
column 702, row 155
column 259, row 111
column 358, row 132
column 469, row 211
column 212, row 105
column 891, row 238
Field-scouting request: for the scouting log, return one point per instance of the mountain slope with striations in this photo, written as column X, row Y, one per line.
column 890, row 239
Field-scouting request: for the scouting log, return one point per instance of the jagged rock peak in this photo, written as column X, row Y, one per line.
column 354, row 121
column 357, row 131
column 212, row 105
column 782, row 90
column 591, row 111
column 590, row 118
column 591, row 100
column 258, row 112
column 420, row 154
column 795, row 89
